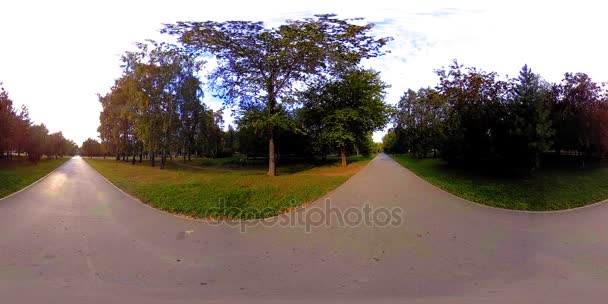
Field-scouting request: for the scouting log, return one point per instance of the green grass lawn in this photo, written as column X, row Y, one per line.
column 233, row 161
column 15, row 175
column 204, row 192
column 285, row 164
column 548, row 189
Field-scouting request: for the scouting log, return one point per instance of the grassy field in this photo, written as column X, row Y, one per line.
column 15, row 175
column 552, row 188
column 285, row 164
column 220, row 192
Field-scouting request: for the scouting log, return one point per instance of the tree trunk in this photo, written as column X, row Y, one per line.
column 272, row 162
column 141, row 156
column 272, row 165
column 163, row 159
column 133, row 159
column 343, row 156
column 152, row 160
column 117, row 154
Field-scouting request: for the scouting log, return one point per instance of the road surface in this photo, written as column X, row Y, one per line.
column 75, row 238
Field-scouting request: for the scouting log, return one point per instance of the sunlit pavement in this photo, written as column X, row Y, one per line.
column 74, row 238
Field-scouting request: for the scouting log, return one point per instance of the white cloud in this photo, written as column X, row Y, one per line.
column 56, row 55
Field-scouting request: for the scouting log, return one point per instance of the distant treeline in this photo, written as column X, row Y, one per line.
column 135, row 125
column 472, row 116
column 19, row 135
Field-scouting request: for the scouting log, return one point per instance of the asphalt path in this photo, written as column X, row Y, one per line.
column 75, row 238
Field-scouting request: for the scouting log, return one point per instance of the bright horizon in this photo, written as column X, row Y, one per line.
column 57, row 56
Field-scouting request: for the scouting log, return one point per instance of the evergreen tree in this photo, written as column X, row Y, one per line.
column 528, row 129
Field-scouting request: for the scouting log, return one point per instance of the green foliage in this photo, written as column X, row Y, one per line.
column 420, row 122
column 116, row 129
column 260, row 67
column 390, row 143
column 21, row 130
column 156, row 107
column 7, row 121
column 528, row 130
column 377, row 147
column 342, row 113
column 577, row 115
column 17, row 134
column 474, row 118
column 37, row 142
column 366, row 146
column 168, row 93
column 475, row 100
column 58, row 146
column 253, row 132
column 91, row 147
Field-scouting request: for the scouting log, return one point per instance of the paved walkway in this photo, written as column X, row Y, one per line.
column 74, row 238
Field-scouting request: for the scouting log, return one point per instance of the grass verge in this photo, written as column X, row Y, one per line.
column 548, row 189
column 17, row 174
column 228, row 193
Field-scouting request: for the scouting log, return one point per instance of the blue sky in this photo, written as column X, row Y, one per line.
column 57, row 55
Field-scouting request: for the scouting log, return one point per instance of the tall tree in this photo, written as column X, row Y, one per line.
column 190, row 107
column 56, row 145
column 390, row 142
column 37, row 142
column 527, row 121
column 7, row 122
column 572, row 113
column 22, row 127
column 166, row 79
column 351, row 108
column 419, row 121
column 262, row 65
column 475, row 100
column 116, row 127
column 230, row 139
column 91, row 147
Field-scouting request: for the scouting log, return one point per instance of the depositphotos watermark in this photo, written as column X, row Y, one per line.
column 312, row 216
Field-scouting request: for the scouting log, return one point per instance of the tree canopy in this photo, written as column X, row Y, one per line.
column 19, row 135
column 344, row 112
column 260, row 65
column 155, row 108
column 477, row 118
